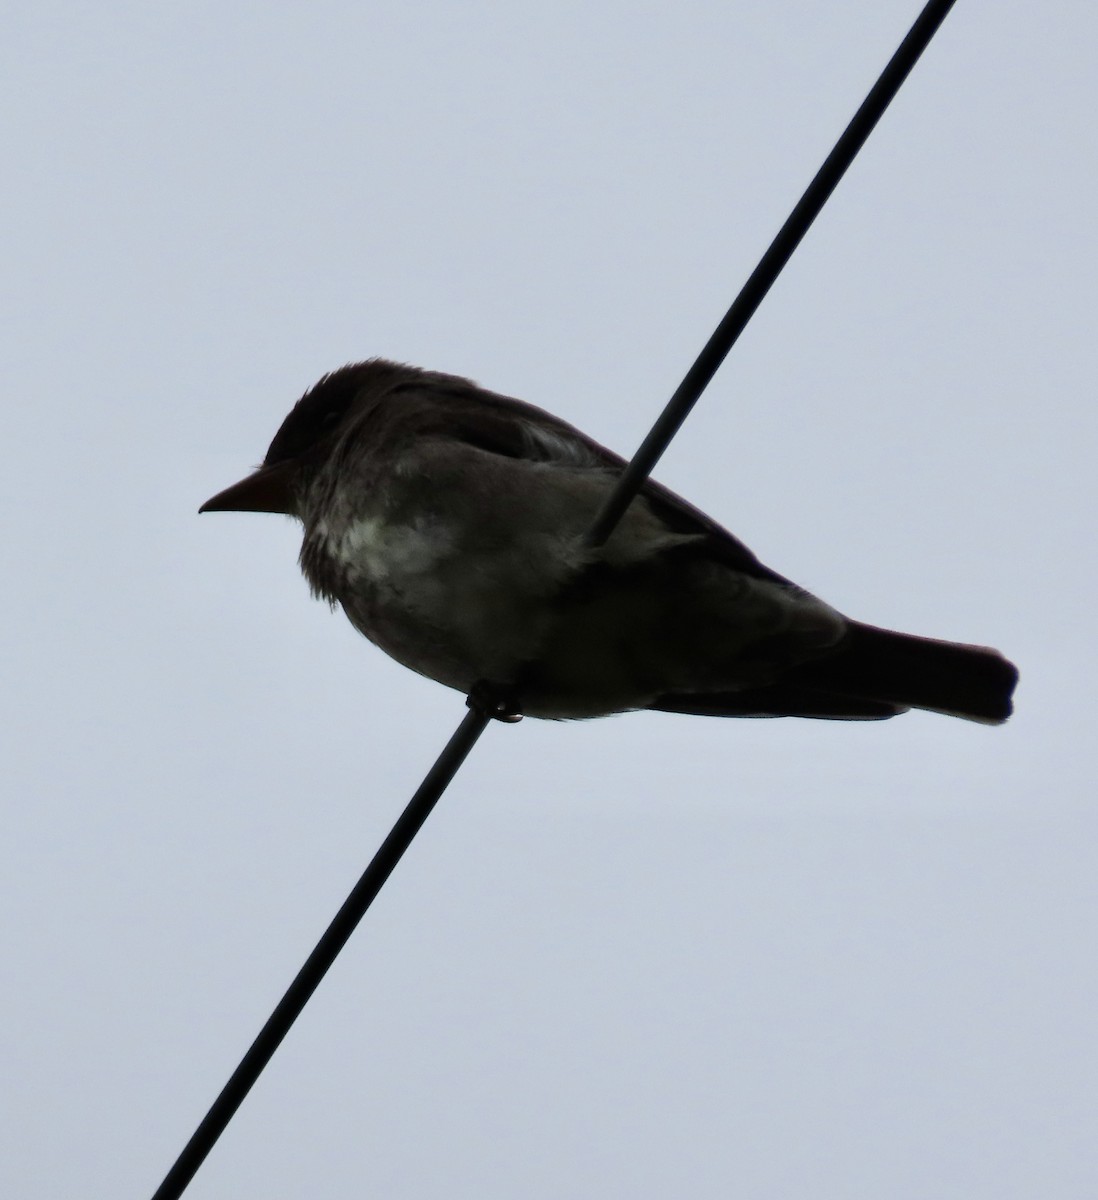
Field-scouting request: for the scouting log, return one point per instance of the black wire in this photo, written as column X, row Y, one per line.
column 476, row 720
column 769, row 268
column 316, row 965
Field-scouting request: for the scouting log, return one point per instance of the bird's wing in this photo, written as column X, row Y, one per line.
column 514, row 429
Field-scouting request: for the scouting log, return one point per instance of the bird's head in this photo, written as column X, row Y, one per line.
column 305, row 441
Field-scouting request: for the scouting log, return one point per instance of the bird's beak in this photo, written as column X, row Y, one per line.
column 267, row 489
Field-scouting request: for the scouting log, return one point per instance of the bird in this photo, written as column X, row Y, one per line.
column 449, row 522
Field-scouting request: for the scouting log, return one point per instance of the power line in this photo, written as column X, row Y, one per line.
column 483, row 709
column 770, row 266
column 324, row 954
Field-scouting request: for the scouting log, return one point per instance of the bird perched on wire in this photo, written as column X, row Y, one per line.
column 449, row 523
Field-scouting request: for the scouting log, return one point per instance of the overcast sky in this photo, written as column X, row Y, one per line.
column 649, row 956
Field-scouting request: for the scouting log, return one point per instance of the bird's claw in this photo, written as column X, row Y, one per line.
column 494, row 701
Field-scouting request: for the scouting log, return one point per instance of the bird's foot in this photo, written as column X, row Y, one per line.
column 494, row 700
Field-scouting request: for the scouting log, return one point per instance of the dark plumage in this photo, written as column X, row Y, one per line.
column 448, row 522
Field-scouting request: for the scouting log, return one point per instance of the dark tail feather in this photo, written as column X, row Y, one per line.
column 874, row 674
column 779, row 700
column 973, row 682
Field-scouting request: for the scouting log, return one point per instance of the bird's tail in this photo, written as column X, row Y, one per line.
column 871, row 675
column 973, row 682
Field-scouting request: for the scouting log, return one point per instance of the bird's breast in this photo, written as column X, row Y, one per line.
column 369, row 549
column 437, row 595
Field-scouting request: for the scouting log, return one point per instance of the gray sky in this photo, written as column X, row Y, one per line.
column 648, row 956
